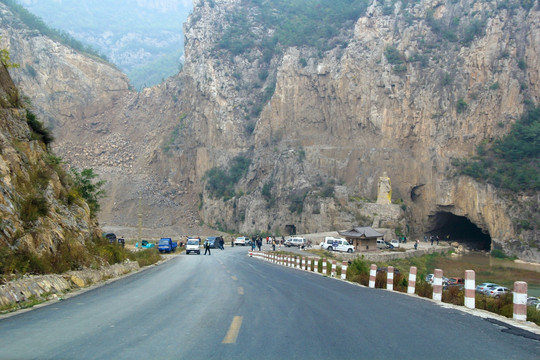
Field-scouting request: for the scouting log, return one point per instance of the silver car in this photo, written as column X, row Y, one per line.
column 481, row 288
column 497, row 291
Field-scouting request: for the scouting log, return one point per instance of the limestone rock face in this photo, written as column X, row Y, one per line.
column 336, row 120
column 35, row 215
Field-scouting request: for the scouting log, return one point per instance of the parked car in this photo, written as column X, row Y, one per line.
column 381, row 244
column 394, row 243
column 299, row 242
column 111, row 237
column 454, row 281
column 336, row 244
column 241, row 240
column 431, row 277
column 533, row 301
column 212, row 241
column 193, row 245
column 498, row 291
column 385, row 270
column 490, row 287
column 481, row 288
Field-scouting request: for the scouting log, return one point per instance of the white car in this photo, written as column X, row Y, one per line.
column 241, row 240
column 394, row 243
column 336, row 244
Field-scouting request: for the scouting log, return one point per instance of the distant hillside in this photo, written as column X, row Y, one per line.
column 143, row 38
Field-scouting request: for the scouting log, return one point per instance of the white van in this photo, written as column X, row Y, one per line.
column 336, row 244
column 193, row 245
column 299, row 242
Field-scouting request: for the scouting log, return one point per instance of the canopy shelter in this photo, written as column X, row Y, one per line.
column 363, row 238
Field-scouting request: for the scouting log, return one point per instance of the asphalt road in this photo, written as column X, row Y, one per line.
column 231, row 306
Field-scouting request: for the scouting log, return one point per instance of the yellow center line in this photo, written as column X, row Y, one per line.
column 240, row 290
column 234, row 278
column 234, row 329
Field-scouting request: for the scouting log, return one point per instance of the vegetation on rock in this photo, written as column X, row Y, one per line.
column 221, row 183
column 511, row 162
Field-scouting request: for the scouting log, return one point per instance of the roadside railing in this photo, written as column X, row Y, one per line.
column 317, row 265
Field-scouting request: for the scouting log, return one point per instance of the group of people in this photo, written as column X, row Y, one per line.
column 219, row 242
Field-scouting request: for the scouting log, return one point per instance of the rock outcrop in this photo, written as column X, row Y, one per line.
column 398, row 95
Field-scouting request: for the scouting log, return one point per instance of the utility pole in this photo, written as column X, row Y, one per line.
column 140, row 219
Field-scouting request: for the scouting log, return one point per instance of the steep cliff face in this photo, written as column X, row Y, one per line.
column 37, row 215
column 404, row 89
column 354, row 112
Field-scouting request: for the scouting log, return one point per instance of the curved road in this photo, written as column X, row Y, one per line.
column 231, row 306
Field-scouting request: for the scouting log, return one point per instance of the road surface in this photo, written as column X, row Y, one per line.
column 231, row 306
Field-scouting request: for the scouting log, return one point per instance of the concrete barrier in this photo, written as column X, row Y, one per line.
column 437, row 285
column 316, row 265
column 470, row 289
column 372, row 275
column 412, row 280
column 344, row 270
column 334, row 268
column 324, row 266
column 390, row 278
column 520, row 301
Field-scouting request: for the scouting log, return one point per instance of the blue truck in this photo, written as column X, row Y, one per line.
column 167, row 245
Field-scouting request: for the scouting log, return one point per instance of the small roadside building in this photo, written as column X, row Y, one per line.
column 362, row 238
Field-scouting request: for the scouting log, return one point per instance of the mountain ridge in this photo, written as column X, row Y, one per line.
column 409, row 91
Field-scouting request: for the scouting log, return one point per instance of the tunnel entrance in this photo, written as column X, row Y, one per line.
column 460, row 229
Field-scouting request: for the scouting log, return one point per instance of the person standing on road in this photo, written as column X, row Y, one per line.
column 274, row 245
column 259, row 243
column 207, row 247
column 416, row 244
column 221, row 243
column 232, row 242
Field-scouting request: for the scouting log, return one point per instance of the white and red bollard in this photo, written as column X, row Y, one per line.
column 437, row 285
column 298, row 262
column 344, row 270
column 412, row 280
column 390, row 278
column 334, row 268
column 520, row 301
column 316, row 265
column 303, row 262
column 470, row 289
column 372, row 275
column 324, row 266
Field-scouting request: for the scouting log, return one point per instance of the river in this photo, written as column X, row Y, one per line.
column 488, row 268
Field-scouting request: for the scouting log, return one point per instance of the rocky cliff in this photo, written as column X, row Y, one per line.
column 404, row 88
column 39, row 213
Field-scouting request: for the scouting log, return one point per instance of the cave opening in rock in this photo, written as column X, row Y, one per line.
column 460, row 229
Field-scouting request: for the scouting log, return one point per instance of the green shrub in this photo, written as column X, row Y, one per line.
column 453, row 295
column 33, row 207
column 39, row 131
column 146, row 257
column 461, row 106
column 392, row 55
column 424, row 289
column 91, row 191
column 510, row 162
column 221, row 183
